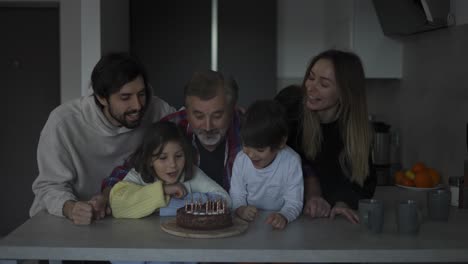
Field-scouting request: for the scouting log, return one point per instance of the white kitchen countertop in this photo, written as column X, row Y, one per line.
column 304, row 240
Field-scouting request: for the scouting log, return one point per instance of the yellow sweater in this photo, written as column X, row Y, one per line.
column 130, row 200
column 133, row 198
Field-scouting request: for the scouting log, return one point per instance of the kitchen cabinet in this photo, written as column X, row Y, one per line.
column 353, row 25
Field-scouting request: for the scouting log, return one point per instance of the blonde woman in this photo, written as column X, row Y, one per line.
column 334, row 136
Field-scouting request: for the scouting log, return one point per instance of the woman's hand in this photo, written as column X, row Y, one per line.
column 341, row 208
column 248, row 213
column 316, row 206
column 176, row 190
column 276, row 220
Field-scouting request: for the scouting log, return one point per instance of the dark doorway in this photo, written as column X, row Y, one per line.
column 247, row 47
column 172, row 39
column 30, row 78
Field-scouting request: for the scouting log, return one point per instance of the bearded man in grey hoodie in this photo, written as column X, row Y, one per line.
column 84, row 138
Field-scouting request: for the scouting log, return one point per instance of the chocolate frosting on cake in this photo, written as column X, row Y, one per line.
column 202, row 220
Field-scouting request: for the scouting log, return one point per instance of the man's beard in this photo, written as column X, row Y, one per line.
column 210, row 138
column 122, row 118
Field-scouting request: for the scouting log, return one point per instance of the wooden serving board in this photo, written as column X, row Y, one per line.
column 172, row 228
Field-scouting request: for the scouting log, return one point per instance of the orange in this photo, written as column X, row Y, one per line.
column 409, row 174
column 418, row 166
column 407, row 182
column 423, row 179
column 434, row 175
column 399, row 175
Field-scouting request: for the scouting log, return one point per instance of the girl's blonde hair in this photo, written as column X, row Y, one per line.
column 352, row 114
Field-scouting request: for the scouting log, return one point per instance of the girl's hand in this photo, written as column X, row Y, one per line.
column 277, row 220
column 248, row 213
column 316, row 206
column 176, row 190
column 341, row 208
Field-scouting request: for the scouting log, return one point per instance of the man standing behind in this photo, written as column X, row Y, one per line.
column 84, row 138
column 211, row 121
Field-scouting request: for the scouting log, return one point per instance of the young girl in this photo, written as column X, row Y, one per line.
column 267, row 175
column 161, row 168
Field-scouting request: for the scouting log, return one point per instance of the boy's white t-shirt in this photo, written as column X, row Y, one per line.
column 277, row 187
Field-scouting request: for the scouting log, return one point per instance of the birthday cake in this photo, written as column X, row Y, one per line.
column 211, row 215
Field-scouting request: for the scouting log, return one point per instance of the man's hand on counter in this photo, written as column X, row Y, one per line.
column 79, row 212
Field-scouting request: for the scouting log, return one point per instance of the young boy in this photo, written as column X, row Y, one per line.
column 267, row 174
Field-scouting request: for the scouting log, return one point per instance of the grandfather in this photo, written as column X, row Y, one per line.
column 212, row 121
column 83, row 138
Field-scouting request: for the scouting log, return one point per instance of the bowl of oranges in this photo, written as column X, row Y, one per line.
column 418, row 177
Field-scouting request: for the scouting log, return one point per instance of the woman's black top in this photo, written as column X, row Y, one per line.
column 335, row 185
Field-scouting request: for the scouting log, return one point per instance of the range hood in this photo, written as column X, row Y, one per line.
column 406, row 17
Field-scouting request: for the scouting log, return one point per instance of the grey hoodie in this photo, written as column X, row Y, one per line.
column 78, row 147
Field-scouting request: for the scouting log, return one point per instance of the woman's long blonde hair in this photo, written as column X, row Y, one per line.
column 352, row 114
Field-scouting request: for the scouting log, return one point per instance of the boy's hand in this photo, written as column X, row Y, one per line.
column 248, row 213
column 276, row 220
column 176, row 190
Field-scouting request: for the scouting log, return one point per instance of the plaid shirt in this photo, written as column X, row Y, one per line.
column 233, row 146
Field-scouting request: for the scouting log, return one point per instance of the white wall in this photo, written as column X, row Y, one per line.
column 79, row 45
column 88, row 29
column 70, row 49
column 460, row 9
column 429, row 105
column 90, row 40
column 434, row 99
column 300, row 37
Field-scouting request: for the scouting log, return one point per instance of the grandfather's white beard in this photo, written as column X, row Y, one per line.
column 210, row 138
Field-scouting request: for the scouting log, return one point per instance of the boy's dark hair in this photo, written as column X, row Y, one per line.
column 113, row 71
column 207, row 84
column 155, row 138
column 264, row 125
